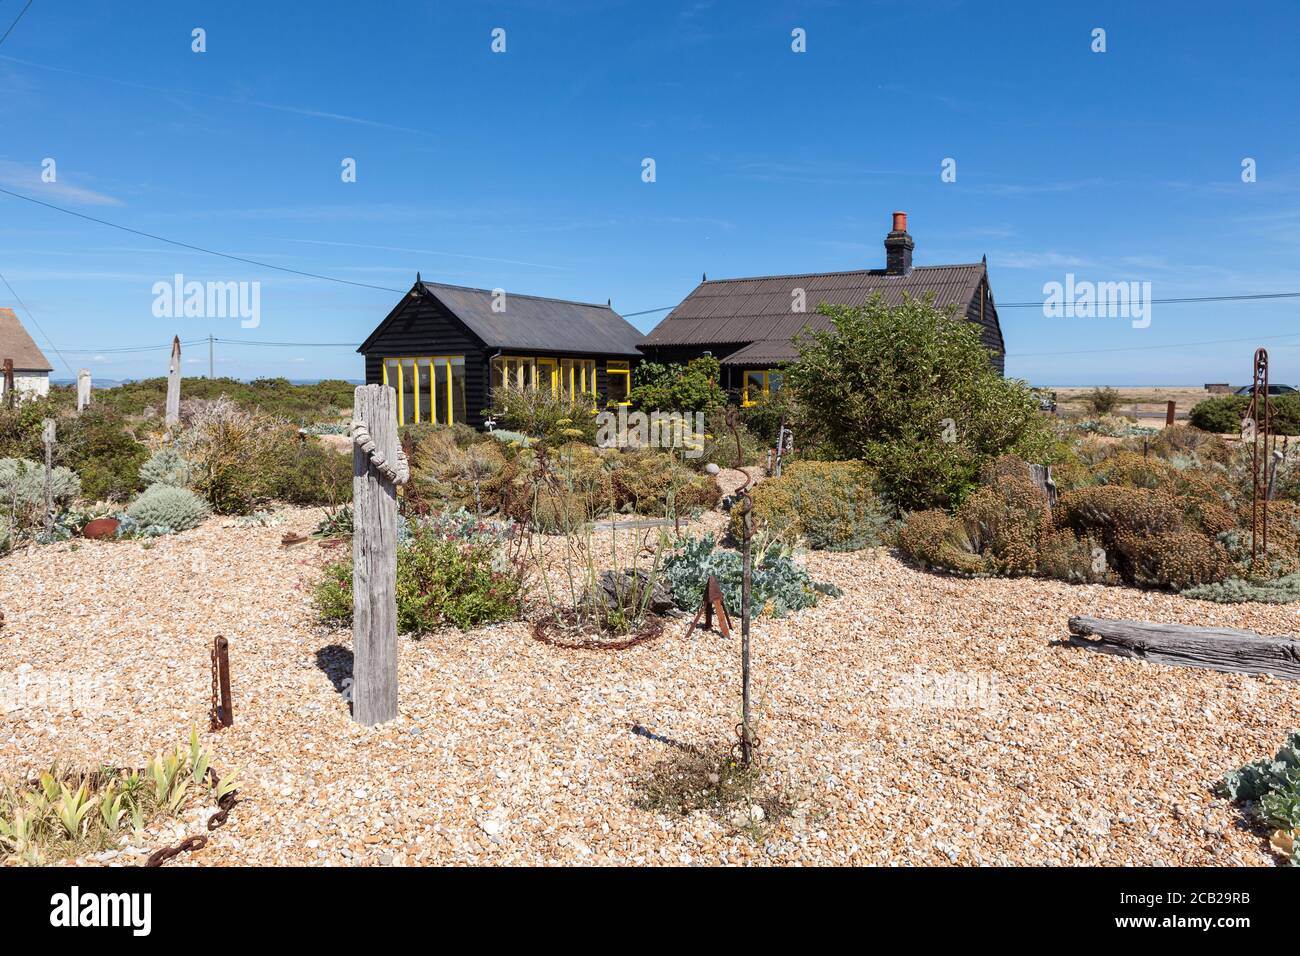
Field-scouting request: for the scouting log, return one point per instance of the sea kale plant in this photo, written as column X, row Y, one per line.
column 178, row 509
column 778, row 584
column 1271, row 788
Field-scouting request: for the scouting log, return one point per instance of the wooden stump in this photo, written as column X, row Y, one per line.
column 173, row 414
column 374, row 562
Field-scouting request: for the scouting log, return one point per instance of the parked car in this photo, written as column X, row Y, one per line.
column 1046, row 400
column 1272, row 389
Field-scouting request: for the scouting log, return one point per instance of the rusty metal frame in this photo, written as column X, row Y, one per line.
column 222, row 711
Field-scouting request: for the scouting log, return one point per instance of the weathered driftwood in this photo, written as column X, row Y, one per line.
column 49, row 436
column 374, row 557
column 1213, row 648
column 1041, row 475
column 173, row 414
column 83, row 388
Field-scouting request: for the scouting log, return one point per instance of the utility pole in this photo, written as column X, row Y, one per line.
column 210, row 375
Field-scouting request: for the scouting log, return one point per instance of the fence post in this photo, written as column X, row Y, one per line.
column 374, row 557
column 9, row 382
column 83, row 388
column 174, row 384
column 47, row 436
column 1171, row 409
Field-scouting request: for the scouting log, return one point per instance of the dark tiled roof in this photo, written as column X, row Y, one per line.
column 534, row 323
column 16, row 344
column 758, row 310
column 763, row 353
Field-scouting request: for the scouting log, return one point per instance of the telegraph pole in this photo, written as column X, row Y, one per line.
column 210, row 375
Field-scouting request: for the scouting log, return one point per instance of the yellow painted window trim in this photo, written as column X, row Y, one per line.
column 415, row 361
column 766, row 373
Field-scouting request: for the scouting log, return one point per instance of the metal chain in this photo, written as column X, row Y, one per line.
column 198, row 842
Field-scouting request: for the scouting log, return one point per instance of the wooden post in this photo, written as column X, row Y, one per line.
column 9, row 382
column 1170, row 409
column 174, row 384
column 47, row 436
column 374, row 561
column 83, row 388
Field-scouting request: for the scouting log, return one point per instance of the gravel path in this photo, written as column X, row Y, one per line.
column 917, row 719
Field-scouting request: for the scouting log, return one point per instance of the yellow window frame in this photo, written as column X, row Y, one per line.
column 766, row 374
column 400, row 385
column 623, row 368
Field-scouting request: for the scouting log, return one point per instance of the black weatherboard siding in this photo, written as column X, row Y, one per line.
column 434, row 319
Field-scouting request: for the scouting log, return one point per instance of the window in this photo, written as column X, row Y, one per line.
column 760, row 384
column 429, row 389
column 618, row 382
column 565, row 377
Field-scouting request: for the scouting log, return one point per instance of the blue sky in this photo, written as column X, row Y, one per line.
column 522, row 170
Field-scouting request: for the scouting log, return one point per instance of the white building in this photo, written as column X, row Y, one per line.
column 31, row 368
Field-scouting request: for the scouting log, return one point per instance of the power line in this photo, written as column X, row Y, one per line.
column 28, row 312
column 194, row 248
column 1144, row 348
column 15, row 23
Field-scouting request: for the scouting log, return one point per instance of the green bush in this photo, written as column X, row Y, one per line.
column 176, row 508
column 324, row 401
column 461, row 577
column 97, row 445
column 1102, row 401
column 912, row 392
column 1223, row 414
column 692, row 387
column 20, row 427
column 305, row 472
column 829, row 505
column 22, row 490
column 1284, row 590
column 777, row 584
column 166, row 466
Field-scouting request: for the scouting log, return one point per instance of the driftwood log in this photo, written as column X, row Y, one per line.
column 1213, row 648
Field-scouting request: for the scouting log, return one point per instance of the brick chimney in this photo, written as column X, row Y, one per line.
column 898, row 247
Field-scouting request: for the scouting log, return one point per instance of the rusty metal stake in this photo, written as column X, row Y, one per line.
column 712, row 603
column 222, row 713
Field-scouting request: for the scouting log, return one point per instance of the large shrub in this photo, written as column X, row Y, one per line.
column 230, row 451
column 911, row 391
column 1223, row 414
column 97, row 445
column 164, row 505
column 448, row 572
column 692, row 387
column 22, row 490
column 828, row 505
column 302, row 471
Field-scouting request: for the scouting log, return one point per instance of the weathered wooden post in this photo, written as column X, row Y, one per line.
column 47, row 436
column 9, row 382
column 1171, row 408
column 83, row 388
column 378, row 466
column 174, row 384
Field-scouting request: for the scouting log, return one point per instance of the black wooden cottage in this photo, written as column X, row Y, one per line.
column 750, row 325
column 445, row 347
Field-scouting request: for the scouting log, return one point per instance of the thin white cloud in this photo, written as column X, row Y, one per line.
column 27, row 177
